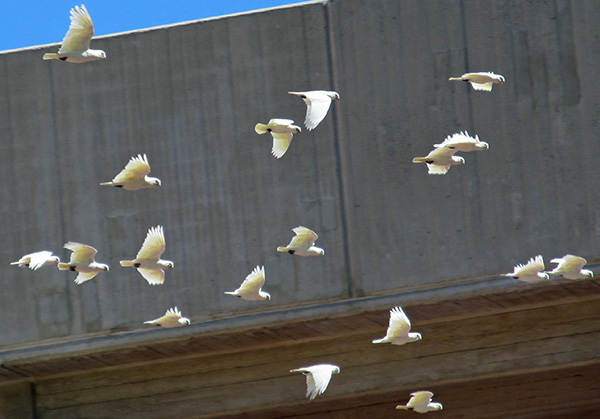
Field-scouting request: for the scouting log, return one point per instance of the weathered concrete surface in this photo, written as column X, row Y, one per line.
column 189, row 96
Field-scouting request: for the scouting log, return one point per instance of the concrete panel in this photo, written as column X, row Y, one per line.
column 530, row 193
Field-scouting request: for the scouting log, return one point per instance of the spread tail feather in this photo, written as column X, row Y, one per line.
column 127, row 263
column 260, row 128
column 50, row 56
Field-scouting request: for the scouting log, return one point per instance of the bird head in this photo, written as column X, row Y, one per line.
column 415, row 336
column 104, row 267
column 297, row 128
column 169, row 265
column 54, row 259
column 483, row 145
column 265, row 295
column 153, row 181
column 501, row 78
column 184, row 321
column 333, row 95
column 321, row 252
column 97, row 53
column 587, row 273
column 336, row 370
column 436, row 406
column 458, row 160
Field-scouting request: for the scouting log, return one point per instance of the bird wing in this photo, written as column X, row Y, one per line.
column 458, row 138
column 317, row 106
column 154, row 244
column 280, row 121
column 482, row 86
column 441, row 153
column 253, row 282
column 37, row 260
column 172, row 315
column 569, row 263
column 85, row 276
column 82, row 253
column 317, row 380
column 438, row 169
column 153, row 276
column 281, row 142
column 399, row 324
column 135, row 170
column 80, row 31
column 420, row 398
column 303, row 239
column 532, row 267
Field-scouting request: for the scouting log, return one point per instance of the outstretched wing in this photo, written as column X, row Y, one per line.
column 37, row 260
column 135, row 170
column 281, row 142
column 153, row 276
column 317, row 381
column 154, row 245
column 303, row 239
column 82, row 253
column 567, row 263
column 253, row 282
column 533, row 266
column 80, row 31
column 420, row 398
column 317, row 106
column 399, row 324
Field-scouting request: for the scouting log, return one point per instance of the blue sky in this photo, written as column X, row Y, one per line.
column 38, row 22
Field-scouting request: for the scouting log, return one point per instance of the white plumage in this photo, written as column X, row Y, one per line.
column 398, row 332
column 148, row 261
column 570, row 267
column 462, row 141
column 439, row 160
column 172, row 318
column 533, row 271
column 317, row 378
column 303, row 243
column 251, row 288
column 420, row 402
column 36, row 260
column 282, row 131
column 134, row 175
column 75, row 46
column 317, row 105
column 482, row 80
column 82, row 261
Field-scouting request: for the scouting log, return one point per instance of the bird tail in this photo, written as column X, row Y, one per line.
column 64, row 266
column 402, row 407
column 229, row 293
column 127, row 263
column 149, row 322
column 107, row 184
column 17, row 263
column 419, row 160
column 296, row 370
column 260, row 128
column 455, row 79
column 50, row 56
column 377, row 340
column 296, row 93
column 282, row 249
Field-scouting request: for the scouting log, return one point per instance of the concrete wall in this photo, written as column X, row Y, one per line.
column 189, row 96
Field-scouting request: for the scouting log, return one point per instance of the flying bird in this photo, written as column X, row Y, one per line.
column 481, row 81
column 303, row 243
column 148, row 261
column 317, row 105
column 82, row 261
column 398, row 332
column 439, row 160
column 251, row 288
column 135, row 175
column 462, row 141
column 172, row 318
column 75, row 46
column 317, row 378
column 36, row 260
column 533, row 271
column 282, row 131
column 420, row 402
column 570, row 267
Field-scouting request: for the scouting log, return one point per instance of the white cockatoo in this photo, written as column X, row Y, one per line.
column 251, row 288
column 420, row 402
column 462, row 141
column 75, row 46
column 317, row 105
column 533, row 271
column 135, row 175
column 172, row 318
column 148, row 261
column 481, row 81
column 398, row 332
column 317, row 378
column 439, row 160
column 282, row 131
column 570, row 267
column 303, row 243
column 82, row 261
column 36, row 260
